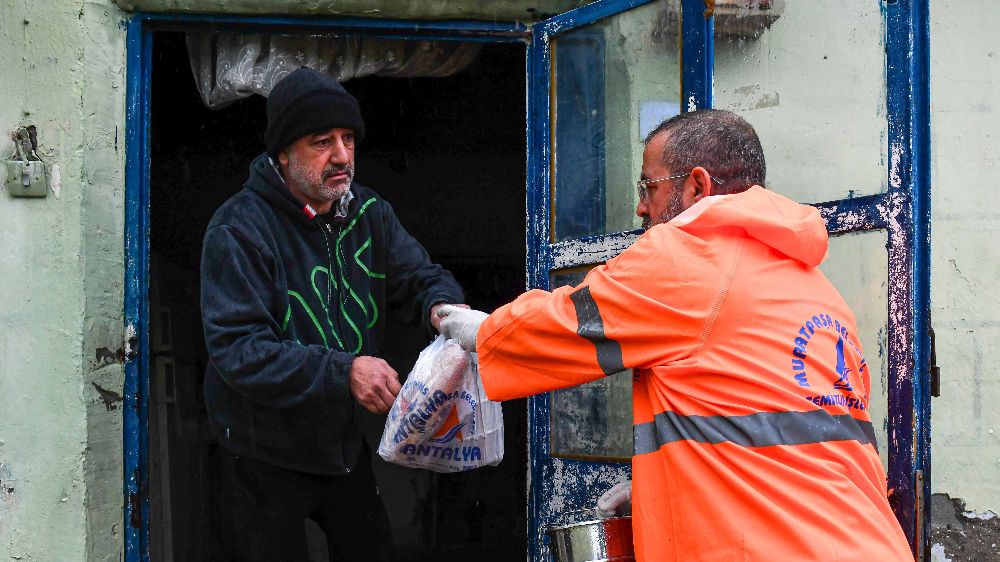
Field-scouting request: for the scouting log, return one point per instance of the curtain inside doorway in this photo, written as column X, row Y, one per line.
column 230, row 66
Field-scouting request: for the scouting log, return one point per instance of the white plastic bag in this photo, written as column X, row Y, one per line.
column 441, row 419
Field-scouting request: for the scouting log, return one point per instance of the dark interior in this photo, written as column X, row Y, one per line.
column 449, row 155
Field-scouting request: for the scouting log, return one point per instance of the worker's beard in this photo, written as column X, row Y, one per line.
column 314, row 184
column 675, row 206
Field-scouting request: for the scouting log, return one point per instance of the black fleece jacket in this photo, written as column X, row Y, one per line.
column 287, row 303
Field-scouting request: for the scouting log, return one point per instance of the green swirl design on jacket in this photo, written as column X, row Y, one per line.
column 371, row 311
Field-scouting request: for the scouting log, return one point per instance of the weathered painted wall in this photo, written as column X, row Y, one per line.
column 965, row 79
column 523, row 10
column 61, row 264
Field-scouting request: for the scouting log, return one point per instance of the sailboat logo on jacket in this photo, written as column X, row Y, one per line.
column 807, row 378
column 843, row 371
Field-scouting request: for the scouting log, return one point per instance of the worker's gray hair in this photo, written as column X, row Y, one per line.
column 720, row 141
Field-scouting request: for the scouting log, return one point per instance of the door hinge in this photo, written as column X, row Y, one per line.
column 935, row 371
column 920, row 506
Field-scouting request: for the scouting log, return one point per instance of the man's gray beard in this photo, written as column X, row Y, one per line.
column 674, row 207
column 313, row 186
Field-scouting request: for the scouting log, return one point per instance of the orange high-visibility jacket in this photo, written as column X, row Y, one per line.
column 753, row 439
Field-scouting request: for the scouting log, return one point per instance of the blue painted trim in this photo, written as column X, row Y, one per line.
column 143, row 328
column 139, row 46
column 542, row 465
column 539, row 161
column 454, row 30
column 901, row 406
column 538, row 63
column 697, row 55
column 857, row 214
column 908, row 111
column 842, row 217
column 136, row 387
column 709, row 63
column 591, row 249
column 586, row 15
column 920, row 144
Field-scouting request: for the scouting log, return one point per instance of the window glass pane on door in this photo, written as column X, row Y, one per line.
column 612, row 82
column 592, row 421
column 810, row 77
column 859, row 267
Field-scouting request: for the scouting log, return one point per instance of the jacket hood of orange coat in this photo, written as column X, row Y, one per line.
column 795, row 230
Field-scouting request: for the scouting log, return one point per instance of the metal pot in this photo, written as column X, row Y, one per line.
column 602, row 540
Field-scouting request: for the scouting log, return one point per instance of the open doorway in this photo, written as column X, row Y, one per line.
column 449, row 155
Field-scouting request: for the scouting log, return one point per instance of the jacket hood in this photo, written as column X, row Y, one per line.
column 795, row 230
column 265, row 181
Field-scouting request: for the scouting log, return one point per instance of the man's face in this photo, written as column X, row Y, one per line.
column 319, row 167
column 664, row 199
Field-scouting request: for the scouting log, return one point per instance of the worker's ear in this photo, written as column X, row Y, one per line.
column 283, row 158
column 700, row 184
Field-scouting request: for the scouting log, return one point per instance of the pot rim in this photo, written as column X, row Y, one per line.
column 587, row 523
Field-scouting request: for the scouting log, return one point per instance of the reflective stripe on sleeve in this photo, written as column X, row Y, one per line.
column 763, row 429
column 590, row 325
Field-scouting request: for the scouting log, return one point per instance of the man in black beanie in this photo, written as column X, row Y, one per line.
column 298, row 270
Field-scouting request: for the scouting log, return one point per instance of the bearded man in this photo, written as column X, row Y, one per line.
column 298, row 270
column 752, row 436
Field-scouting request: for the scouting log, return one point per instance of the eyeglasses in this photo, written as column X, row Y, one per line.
column 640, row 185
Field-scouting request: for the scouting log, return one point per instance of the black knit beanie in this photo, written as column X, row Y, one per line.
column 306, row 102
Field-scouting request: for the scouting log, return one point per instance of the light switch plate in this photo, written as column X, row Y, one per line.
column 31, row 173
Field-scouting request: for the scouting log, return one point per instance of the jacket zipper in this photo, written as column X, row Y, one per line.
column 333, row 270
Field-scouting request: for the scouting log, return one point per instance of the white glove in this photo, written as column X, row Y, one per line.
column 461, row 324
column 616, row 501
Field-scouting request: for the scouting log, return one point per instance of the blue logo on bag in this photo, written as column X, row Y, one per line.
column 450, row 435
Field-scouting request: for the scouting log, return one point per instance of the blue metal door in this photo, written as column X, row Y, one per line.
column 599, row 78
column 849, row 136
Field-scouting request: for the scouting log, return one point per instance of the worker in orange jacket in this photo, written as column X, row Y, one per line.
column 753, row 439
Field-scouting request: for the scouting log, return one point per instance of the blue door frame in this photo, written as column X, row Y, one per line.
column 140, row 29
column 903, row 211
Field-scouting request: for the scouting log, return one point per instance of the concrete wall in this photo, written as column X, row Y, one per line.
column 524, row 10
column 965, row 130
column 61, row 264
column 965, row 120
